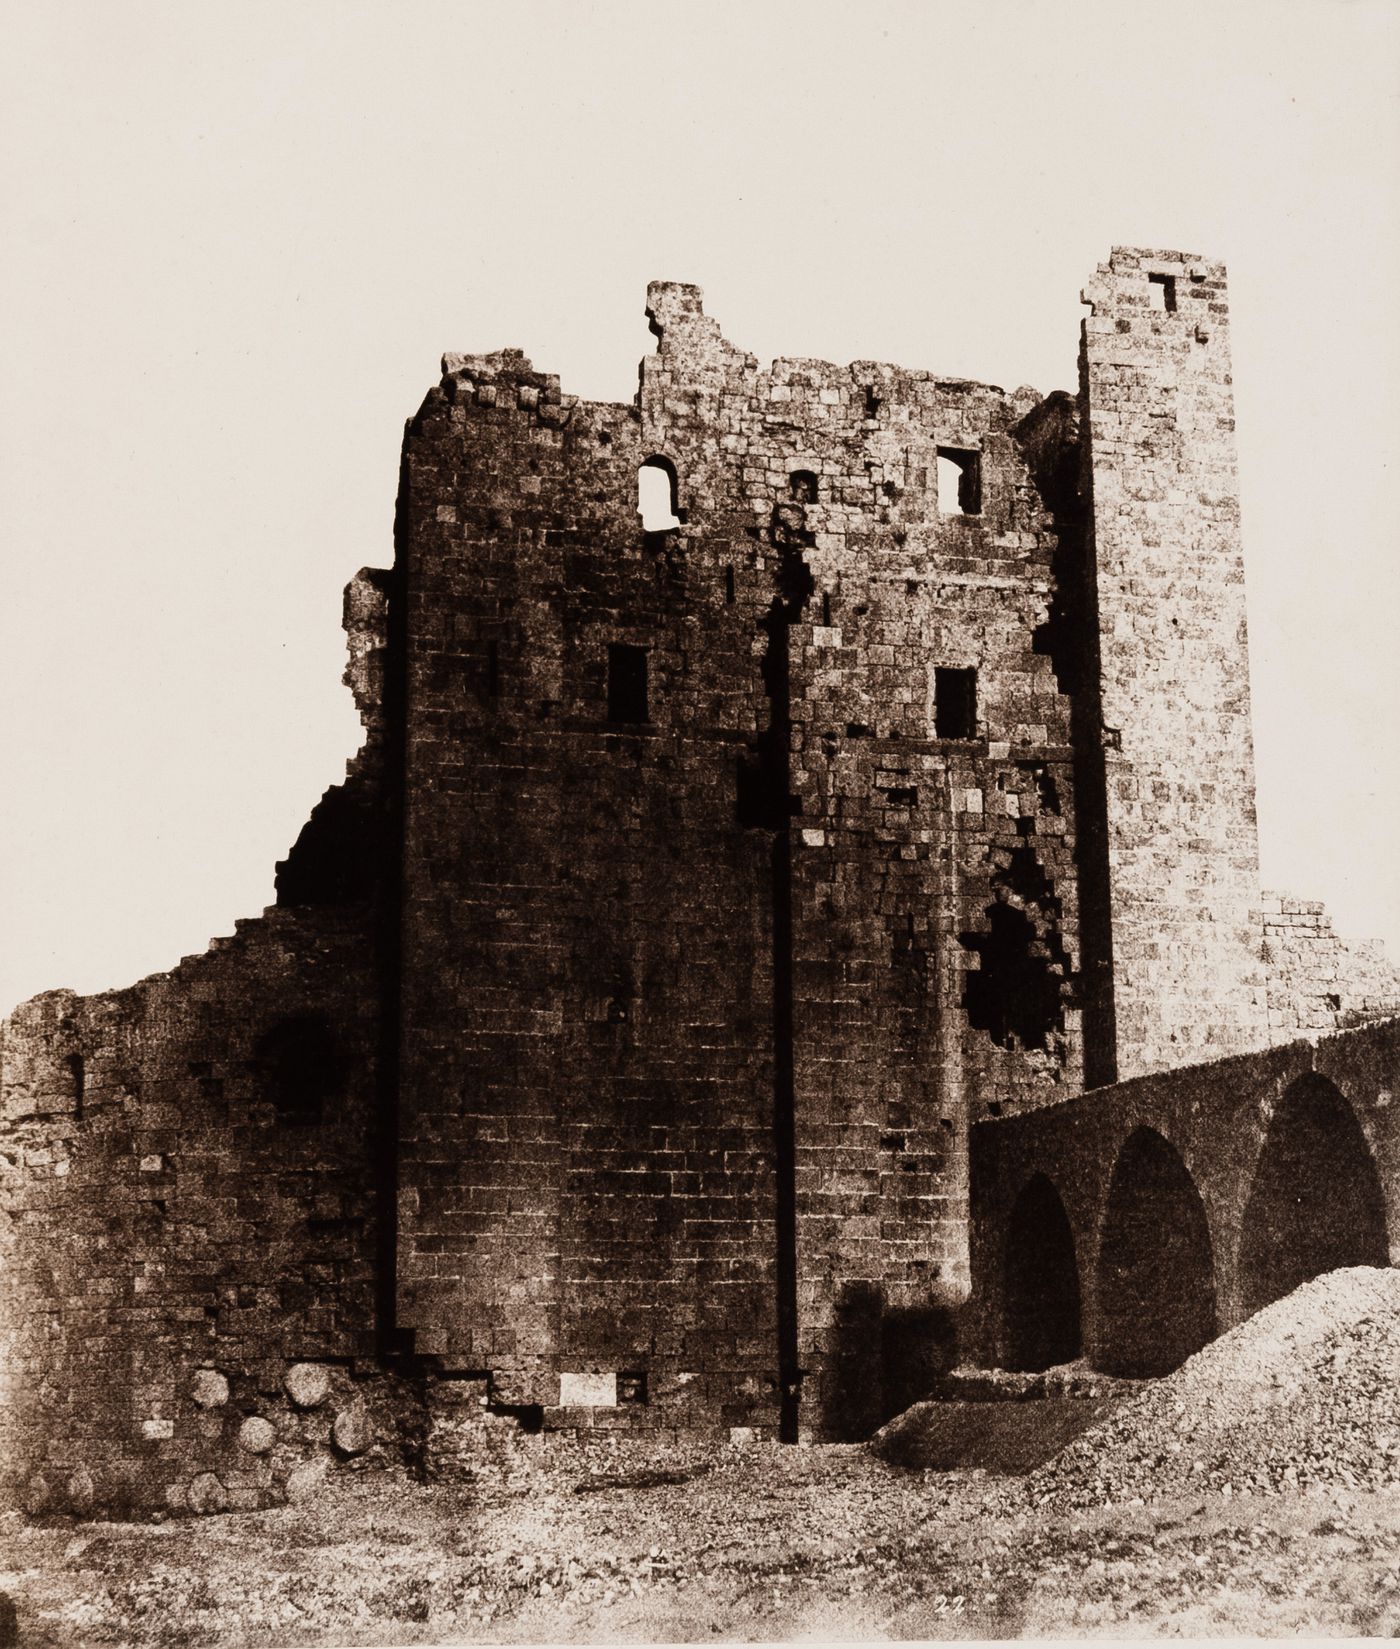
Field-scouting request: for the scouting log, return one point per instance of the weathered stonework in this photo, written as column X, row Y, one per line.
column 1173, row 670
column 1317, row 982
column 611, row 1055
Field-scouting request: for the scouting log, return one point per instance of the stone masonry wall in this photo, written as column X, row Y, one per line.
column 1317, row 982
column 1285, row 1161
column 1173, row 677
column 696, row 1006
column 186, row 1210
column 707, row 874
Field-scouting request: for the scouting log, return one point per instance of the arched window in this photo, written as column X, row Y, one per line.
column 658, row 495
column 959, row 481
column 1042, row 1282
column 1316, row 1203
column 301, row 1068
column 802, row 487
column 1156, row 1276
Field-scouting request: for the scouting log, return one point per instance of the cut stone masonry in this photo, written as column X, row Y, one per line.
column 763, row 783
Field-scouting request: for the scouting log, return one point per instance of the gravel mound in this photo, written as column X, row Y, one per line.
column 1306, row 1392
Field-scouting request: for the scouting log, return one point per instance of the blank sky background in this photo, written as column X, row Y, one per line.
column 240, row 236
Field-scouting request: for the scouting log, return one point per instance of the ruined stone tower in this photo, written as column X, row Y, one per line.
column 1173, row 670
column 741, row 863
column 612, row 1049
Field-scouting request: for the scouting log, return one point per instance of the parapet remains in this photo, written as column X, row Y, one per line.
column 610, row 1055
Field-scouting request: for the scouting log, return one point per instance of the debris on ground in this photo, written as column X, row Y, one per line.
column 1119, row 1534
column 1302, row 1394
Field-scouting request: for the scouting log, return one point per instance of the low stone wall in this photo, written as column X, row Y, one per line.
column 1318, row 982
column 188, row 1209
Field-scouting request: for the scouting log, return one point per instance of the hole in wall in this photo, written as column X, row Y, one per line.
column 301, row 1068
column 954, row 702
column 802, row 487
column 1016, row 993
column 627, row 683
column 959, row 481
column 658, row 495
column 1161, row 293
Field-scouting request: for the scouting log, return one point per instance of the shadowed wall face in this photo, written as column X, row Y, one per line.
column 1316, row 1203
column 1156, row 1277
column 1042, row 1282
column 733, row 827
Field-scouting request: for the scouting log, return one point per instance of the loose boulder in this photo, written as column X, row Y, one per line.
column 307, row 1384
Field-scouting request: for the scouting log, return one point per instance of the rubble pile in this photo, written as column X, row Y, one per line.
column 1305, row 1393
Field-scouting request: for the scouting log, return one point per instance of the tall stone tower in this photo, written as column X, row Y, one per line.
column 1182, row 924
column 738, row 872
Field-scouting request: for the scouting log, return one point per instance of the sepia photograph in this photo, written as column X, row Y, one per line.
column 699, row 915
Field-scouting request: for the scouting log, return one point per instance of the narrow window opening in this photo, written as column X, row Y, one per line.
column 826, row 608
column 657, row 496
column 802, row 487
column 77, row 1081
column 1161, row 290
column 729, row 586
column 955, row 703
column 627, row 683
column 959, row 481
column 872, row 402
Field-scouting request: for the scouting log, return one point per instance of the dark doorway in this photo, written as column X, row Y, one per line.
column 1316, row 1203
column 1042, row 1282
column 1156, row 1277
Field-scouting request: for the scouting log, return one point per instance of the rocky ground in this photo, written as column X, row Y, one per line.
column 1253, row 1492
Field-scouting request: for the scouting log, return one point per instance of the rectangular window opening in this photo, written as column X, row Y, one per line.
column 1162, row 290
column 955, row 703
column 959, row 481
column 627, row 683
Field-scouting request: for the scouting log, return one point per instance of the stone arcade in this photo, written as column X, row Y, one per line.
column 689, row 994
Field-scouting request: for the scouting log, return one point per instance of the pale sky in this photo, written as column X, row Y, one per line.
column 240, row 235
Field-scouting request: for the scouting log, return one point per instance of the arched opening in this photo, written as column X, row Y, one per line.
column 802, row 487
column 959, row 481
column 658, row 495
column 1042, row 1282
column 1156, row 1277
column 1316, row 1202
